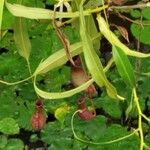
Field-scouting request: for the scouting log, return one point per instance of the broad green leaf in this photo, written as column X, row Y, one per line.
column 146, row 13
column 112, row 108
column 89, row 128
column 14, row 144
column 112, row 38
column 40, row 13
column 123, row 66
column 140, row 33
column 9, row 126
column 60, row 113
column 92, row 60
column 59, row 95
column 22, row 38
column 135, row 13
column 57, row 137
column 1, row 12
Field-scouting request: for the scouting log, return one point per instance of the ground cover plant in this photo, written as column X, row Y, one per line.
column 74, row 74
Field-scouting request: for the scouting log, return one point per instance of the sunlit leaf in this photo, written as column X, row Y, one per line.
column 22, row 38
column 112, row 38
column 92, row 60
column 58, row 58
column 59, row 95
column 1, row 12
column 92, row 30
column 60, row 114
column 124, row 67
column 38, row 13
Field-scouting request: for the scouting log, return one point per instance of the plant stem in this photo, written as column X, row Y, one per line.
column 28, row 63
column 146, row 118
column 132, row 6
column 139, row 119
column 98, row 143
column 17, row 82
column 147, row 147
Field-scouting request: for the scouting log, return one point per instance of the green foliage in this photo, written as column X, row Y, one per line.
column 146, row 13
column 11, row 144
column 124, row 67
column 1, row 12
column 118, row 124
column 108, row 106
column 14, row 144
column 9, row 126
column 135, row 13
column 141, row 34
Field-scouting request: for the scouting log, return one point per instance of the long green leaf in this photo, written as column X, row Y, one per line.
column 59, row 95
column 1, row 12
column 92, row 60
column 59, row 58
column 90, row 24
column 112, row 38
column 124, row 67
column 22, row 38
column 39, row 13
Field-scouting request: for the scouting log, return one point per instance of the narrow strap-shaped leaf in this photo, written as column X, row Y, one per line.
column 40, row 13
column 21, row 38
column 92, row 60
column 59, row 58
column 90, row 24
column 59, row 95
column 124, row 67
column 1, row 13
column 112, row 38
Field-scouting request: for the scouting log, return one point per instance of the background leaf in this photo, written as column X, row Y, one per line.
column 22, row 38
column 3, row 141
column 140, row 33
column 146, row 13
column 124, row 67
column 14, row 144
column 9, row 126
